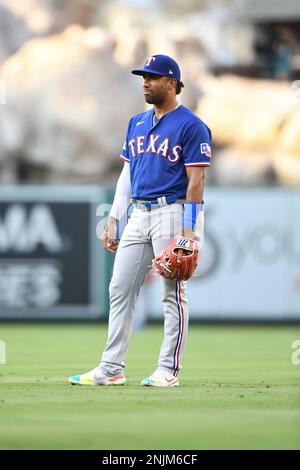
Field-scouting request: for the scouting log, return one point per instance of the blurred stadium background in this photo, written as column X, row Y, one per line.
column 66, row 95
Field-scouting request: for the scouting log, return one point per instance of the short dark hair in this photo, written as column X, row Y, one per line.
column 179, row 86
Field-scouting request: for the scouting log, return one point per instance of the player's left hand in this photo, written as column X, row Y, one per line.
column 189, row 233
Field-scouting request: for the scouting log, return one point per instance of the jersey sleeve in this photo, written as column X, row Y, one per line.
column 124, row 153
column 197, row 145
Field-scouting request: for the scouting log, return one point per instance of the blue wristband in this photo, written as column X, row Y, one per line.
column 190, row 213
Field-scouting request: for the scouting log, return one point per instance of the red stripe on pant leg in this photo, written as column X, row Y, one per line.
column 182, row 325
column 179, row 327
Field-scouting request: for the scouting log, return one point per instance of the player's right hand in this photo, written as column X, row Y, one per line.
column 109, row 240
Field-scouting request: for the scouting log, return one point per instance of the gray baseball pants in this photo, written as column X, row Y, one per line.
column 146, row 234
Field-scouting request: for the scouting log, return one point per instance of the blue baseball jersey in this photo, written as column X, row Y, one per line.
column 159, row 150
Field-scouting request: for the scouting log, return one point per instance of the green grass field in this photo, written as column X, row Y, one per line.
column 239, row 390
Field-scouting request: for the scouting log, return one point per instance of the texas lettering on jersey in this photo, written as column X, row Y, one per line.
column 159, row 150
column 137, row 147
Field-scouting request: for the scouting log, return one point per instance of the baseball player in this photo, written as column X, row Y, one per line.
column 165, row 154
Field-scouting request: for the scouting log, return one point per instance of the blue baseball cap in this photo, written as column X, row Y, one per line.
column 162, row 65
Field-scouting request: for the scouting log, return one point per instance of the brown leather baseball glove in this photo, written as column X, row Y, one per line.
column 178, row 260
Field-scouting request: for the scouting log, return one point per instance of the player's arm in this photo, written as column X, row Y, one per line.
column 197, row 157
column 195, row 189
column 194, row 194
column 118, row 210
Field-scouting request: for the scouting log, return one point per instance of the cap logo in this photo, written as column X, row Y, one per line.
column 171, row 72
column 148, row 62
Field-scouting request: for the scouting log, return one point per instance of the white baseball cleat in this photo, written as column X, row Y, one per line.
column 104, row 379
column 161, row 378
column 97, row 377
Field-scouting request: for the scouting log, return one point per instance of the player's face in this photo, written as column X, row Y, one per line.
column 156, row 88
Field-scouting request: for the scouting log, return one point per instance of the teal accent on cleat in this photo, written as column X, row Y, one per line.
column 161, row 378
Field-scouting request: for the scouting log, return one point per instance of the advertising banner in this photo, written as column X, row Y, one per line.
column 53, row 266
column 50, row 259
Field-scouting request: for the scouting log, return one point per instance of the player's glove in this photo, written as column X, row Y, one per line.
column 181, row 268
